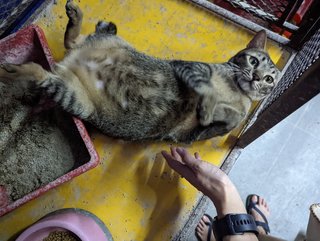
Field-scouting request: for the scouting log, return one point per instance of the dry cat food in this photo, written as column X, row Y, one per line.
column 61, row 236
column 36, row 147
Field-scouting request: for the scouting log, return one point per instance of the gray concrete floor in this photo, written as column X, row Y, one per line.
column 283, row 166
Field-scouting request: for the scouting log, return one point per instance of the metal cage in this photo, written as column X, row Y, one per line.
column 299, row 83
column 273, row 15
column 283, row 20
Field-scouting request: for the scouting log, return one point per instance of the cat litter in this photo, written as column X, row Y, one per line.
column 41, row 147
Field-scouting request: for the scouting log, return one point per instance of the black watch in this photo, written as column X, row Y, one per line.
column 233, row 224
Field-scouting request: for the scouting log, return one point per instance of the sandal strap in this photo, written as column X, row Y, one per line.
column 252, row 205
column 209, row 226
column 261, row 214
column 265, row 226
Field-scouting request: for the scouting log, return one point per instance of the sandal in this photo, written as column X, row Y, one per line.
column 253, row 205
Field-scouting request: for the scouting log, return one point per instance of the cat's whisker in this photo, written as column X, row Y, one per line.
column 255, row 85
column 235, row 73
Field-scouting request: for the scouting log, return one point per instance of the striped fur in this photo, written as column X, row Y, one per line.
column 128, row 94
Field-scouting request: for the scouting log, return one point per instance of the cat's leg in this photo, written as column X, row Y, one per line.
column 72, row 36
column 195, row 75
column 22, row 72
column 225, row 119
column 206, row 110
column 63, row 86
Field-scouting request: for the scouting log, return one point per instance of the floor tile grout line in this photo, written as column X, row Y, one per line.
column 280, row 152
column 308, row 133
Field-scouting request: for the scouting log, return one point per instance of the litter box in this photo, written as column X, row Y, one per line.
column 29, row 44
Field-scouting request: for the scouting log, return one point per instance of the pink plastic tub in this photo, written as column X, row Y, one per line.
column 29, row 44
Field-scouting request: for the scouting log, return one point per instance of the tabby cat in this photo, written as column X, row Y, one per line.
column 130, row 95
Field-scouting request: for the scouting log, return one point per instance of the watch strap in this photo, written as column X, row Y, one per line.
column 233, row 224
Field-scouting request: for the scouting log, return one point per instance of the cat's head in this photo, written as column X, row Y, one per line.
column 257, row 75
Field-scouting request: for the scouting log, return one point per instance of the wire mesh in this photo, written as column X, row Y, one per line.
column 282, row 17
column 270, row 10
column 309, row 53
column 10, row 10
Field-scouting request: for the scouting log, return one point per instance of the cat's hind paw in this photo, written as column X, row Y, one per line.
column 106, row 27
column 29, row 71
column 73, row 12
column 9, row 71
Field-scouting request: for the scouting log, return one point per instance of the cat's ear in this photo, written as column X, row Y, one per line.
column 259, row 41
column 196, row 76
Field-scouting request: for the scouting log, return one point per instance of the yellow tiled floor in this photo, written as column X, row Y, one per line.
column 133, row 191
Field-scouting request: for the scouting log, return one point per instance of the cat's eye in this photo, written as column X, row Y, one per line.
column 254, row 61
column 269, row 79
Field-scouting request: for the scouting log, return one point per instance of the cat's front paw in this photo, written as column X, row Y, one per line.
column 205, row 117
column 206, row 109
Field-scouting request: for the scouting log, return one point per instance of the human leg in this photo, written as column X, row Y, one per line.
column 214, row 183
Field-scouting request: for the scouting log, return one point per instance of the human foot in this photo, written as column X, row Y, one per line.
column 259, row 209
column 204, row 229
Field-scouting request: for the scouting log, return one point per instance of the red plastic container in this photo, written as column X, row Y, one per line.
column 29, row 44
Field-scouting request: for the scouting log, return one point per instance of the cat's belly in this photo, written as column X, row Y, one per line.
column 133, row 101
column 139, row 122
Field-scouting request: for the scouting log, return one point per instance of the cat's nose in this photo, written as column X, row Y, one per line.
column 255, row 77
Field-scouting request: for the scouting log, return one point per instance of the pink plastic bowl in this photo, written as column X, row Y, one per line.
column 85, row 225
